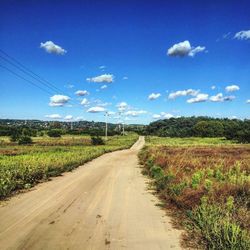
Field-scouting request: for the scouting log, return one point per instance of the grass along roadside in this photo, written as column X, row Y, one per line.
column 37, row 163
column 208, row 184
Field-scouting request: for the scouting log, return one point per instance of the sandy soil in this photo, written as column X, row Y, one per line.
column 104, row 204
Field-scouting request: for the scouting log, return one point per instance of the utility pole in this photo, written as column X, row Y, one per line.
column 123, row 132
column 106, row 128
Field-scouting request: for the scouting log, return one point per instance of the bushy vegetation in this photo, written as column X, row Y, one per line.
column 22, row 166
column 209, row 185
column 201, row 127
column 55, row 133
column 97, row 140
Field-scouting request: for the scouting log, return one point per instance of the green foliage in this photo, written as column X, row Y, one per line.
column 24, row 139
column 156, row 172
column 36, row 163
column 196, row 178
column 215, row 224
column 97, row 140
column 15, row 135
column 55, row 133
column 201, row 126
column 208, row 129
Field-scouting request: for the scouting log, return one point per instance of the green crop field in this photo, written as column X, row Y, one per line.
column 207, row 183
column 22, row 166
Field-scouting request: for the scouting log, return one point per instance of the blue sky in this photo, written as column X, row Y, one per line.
column 184, row 53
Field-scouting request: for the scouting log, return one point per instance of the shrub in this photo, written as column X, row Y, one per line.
column 24, row 140
column 218, row 230
column 96, row 140
column 54, row 133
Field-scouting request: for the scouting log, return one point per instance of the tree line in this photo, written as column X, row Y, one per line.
column 233, row 129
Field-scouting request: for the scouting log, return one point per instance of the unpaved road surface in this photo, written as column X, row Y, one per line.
column 104, row 204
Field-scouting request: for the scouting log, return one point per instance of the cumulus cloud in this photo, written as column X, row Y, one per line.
column 232, row 88
column 135, row 112
column 108, row 78
column 166, row 115
column 79, row 118
column 162, row 115
column 248, row 101
column 84, row 102
column 68, row 117
column 58, row 100
column 53, row 116
column 242, row 35
column 125, row 78
column 198, row 98
column 82, row 92
column 52, row 48
column 156, row 116
column 122, row 106
column 187, row 92
column 220, row 98
column 154, row 96
column 213, row 87
column 184, row 49
column 104, row 86
column 96, row 109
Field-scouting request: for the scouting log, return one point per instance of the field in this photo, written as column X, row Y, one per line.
column 206, row 182
column 22, row 166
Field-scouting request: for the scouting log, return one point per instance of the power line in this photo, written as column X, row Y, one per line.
column 32, row 83
column 27, row 71
column 30, row 73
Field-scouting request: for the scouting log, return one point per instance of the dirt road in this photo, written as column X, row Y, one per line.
column 104, row 204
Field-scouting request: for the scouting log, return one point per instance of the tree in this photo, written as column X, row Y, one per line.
column 24, row 139
column 55, row 133
column 208, row 129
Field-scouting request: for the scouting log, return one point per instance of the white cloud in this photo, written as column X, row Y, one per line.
column 104, row 86
column 162, row 115
column 125, row 78
column 79, row 118
column 122, row 106
column 198, row 98
column 213, row 87
column 156, row 116
column 135, row 112
column 242, row 35
column 108, row 78
column 217, row 98
column 187, row 92
column 58, row 100
column 102, row 67
column 166, row 115
column 154, row 96
column 52, row 48
column 96, row 109
column 232, row 88
column 248, row 101
column 229, row 98
column 184, row 49
column 220, row 98
column 84, row 102
column 53, row 116
column 68, row 117
column 196, row 50
column 82, row 92
column 111, row 113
